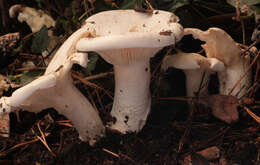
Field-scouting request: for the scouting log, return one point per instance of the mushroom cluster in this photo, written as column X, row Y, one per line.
column 219, row 45
column 125, row 38
column 224, row 56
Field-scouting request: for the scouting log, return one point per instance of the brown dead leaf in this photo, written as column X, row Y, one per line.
column 223, row 107
column 5, row 84
column 9, row 40
column 202, row 157
column 197, row 159
column 210, row 153
column 4, row 126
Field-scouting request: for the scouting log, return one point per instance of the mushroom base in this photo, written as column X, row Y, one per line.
column 132, row 99
column 232, row 75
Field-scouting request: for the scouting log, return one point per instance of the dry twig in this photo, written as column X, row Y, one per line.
column 4, row 153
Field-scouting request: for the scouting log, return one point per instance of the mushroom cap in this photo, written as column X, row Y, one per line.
column 66, row 51
column 15, row 10
column 34, row 18
column 218, row 44
column 192, row 61
column 119, row 29
column 22, row 94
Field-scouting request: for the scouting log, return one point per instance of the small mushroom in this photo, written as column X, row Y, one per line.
column 128, row 39
column 194, row 66
column 221, row 46
column 55, row 89
column 34, row 18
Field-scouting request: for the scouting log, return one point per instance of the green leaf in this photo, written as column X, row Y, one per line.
column 29, row 76
column 93, row 58
column 40, row 41
column 26, row 77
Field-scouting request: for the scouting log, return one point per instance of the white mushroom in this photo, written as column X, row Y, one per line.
column 221, row 46
column 128, row 39
column 34, row 18
column 55, row 89
column 194, row 66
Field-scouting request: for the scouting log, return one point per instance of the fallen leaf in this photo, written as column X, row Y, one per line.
column 223, row 107
column 5, row 84
column 40, row 41
column 93, row 58
column 29, row 76
column 202, row 157
column 4, row 126
column 197, row 159
column 210, row 153
column 8, row 41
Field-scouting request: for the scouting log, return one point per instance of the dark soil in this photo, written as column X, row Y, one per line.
column 173, row 130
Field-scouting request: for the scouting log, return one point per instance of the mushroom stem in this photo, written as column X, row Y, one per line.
column 132, row 96
column 196, row 82
column 228, row 79
column 86, row 119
